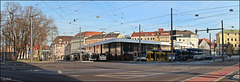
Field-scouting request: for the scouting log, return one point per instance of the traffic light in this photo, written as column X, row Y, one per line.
column 174, row 37
column 174, row 32
column 196, row 31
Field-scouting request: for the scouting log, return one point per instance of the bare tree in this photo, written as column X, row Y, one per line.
column 17, row 27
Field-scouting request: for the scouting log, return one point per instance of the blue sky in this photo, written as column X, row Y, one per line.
column 125, row 16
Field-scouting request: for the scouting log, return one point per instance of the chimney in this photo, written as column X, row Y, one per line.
column 160, row 29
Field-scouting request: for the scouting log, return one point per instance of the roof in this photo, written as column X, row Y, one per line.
column 229, row 31
column 131, row 41
column 64, row 38
column 88, row 33
column 162, row 33
column 112, row 35
column 97, row 36
column 144, row 34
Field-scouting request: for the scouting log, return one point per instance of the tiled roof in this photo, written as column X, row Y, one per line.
column 97, row 36
column 64, row 38
column 144, row 34
column 112, row 35
column 88, row 33
column 207, row 40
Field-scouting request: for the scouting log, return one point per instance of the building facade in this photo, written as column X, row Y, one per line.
column 204, row 44
column 75, row 42
column 99, row 38
column 186, row 37
column 231, row 36
column 59, row 44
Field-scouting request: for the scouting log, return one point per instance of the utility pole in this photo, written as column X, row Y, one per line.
column 222, row 42
column 171, row 36
column 139, row 47
column 80, row 40
column 31, row 35
column 210, row 44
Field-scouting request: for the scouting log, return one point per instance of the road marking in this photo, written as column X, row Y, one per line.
column 216, row 75
column 128, row 75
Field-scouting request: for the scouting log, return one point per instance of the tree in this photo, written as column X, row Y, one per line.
column 16, row 27
column 229, row 48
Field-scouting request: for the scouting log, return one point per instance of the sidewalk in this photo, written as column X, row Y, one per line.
column 217, row 75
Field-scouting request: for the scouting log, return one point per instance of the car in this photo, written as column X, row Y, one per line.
column 207, row 56
column 143, row 57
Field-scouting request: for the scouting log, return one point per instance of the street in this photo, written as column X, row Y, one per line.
column 116, row 71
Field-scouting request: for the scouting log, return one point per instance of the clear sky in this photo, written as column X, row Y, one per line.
column 125, row 16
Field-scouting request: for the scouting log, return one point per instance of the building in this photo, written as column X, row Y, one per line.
column 99, row 38
column 186, row 37
column 231, row 36
column 204, row 44
column 59, row 44
column 75, row 42
column 144, row 36
column 121, row 49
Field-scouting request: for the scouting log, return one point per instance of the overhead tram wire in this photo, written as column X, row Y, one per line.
column 64, row 7
column 204, row 22
column 104, row 10
column 55, row 11
column 116, row 9
column 63, row 11
column 177, row 22
column 176, row 14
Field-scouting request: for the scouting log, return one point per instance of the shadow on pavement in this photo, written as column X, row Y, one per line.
column 22, row 71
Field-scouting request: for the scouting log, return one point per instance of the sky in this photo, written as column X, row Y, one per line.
column 126, row 16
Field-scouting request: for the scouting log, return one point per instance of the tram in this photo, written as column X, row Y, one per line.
column 158, row 55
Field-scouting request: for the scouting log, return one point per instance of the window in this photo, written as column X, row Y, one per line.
column 228, row 39
column 179, row 39
column 235, row 39
column 235, row 34
column 153, row 38
column 148, row 38
column 145, row 38
column 141, row 38
column 231, row 39
column 227, row 34
column 235, row 45
column 183, row 40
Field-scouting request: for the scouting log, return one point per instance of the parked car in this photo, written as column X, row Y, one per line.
column 143, row 57
column 207, row 56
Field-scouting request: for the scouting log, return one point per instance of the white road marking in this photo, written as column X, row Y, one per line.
column 129, row 74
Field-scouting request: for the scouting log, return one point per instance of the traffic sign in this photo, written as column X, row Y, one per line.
column 30, row 51
column 35, row 48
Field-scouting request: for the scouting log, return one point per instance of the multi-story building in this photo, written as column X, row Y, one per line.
column 144, row 35
column 59, row 44
column 186, row 37
column 183, row 37
column 75, row 42
column 99, row 38
column 231, row 36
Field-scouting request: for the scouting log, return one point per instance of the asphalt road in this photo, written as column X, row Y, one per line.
column 112, row 71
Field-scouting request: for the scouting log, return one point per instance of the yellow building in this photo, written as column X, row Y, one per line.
column 164, row 36
column 231, row 36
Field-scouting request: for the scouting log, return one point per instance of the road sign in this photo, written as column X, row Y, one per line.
column 35, row 48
